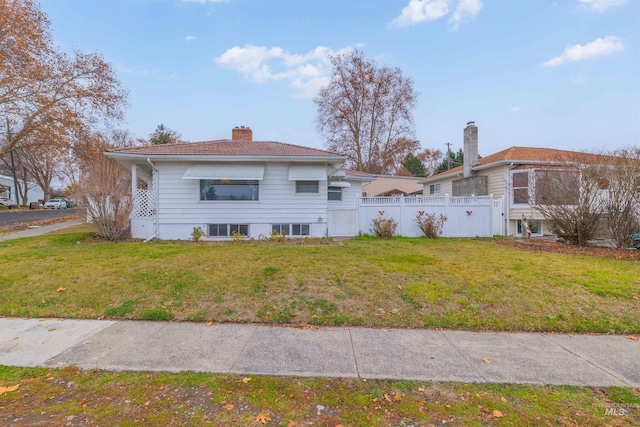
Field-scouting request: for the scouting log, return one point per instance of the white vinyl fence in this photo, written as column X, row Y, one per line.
column 466, row 216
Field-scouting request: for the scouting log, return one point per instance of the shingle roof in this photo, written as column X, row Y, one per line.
column 226, row 147
column 524, row 155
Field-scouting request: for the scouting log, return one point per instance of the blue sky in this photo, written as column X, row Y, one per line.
column 559, row 74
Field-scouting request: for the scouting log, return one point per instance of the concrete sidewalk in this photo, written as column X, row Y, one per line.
column 38, row 231
column 328, row 352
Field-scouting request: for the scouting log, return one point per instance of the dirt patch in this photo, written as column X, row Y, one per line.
column 548, row 245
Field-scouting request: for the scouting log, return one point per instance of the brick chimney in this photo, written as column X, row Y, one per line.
column 470, row 148
column 242, row 133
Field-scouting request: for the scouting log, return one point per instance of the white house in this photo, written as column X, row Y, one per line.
column 7, row 189
column 242, row 186
column 509, row 175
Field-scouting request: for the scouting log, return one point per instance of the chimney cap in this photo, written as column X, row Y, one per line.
column 471, row 123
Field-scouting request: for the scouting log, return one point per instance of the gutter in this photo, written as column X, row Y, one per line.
column 156, row 202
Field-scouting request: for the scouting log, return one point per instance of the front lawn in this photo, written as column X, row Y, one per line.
column 70, row 397
column 445, row 283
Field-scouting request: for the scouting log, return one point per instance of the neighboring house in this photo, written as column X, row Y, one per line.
column 391, row 185
column 508, row 175
column 7, row 189
column 240, row 186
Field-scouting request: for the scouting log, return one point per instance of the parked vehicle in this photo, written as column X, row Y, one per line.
column 634, row 241
column 56, row 204
column 7, row 202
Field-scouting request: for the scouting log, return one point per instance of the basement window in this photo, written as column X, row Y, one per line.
column 227, row 230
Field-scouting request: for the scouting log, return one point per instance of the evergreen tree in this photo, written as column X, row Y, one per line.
column 414, row 165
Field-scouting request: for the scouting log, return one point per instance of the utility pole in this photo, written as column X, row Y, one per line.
column 448, row 144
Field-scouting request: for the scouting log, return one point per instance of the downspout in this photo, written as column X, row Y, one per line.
column 156, row 201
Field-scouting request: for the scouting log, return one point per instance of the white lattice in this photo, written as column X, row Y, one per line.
column 143, row 204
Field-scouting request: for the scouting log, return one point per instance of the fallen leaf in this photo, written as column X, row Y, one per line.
column 387, row 398
column 82, row 402
column 246, row 380
column 8, row 389
column 292, row 423
column 485, row 360
column 16, row 338
column 209, row 323
column 291, row 395
column 228, row 407
column 61, row 289
column 51, row 329
column 636, row 297
column 497, row 413
column 263, row 417
column 504, row 399
column 421, row 389
column 631, row 337
column 397, row 397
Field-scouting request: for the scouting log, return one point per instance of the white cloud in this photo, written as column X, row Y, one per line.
column 465, row 11
column 306, row 72
column 418, row 11
column 516, row 109
column 599, row 47
column 189, row 38
column 601, row 5
column 172, row 76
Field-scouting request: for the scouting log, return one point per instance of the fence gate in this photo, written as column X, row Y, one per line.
column 343, row 223
column 498, row 217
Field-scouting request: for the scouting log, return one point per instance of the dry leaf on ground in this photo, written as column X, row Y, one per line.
column 246, row 380
column 485, row 360
column 497, row 413
column 263, row 417
column 228, row 407
column 8, row 389
column 51, row 329
column 61, row 289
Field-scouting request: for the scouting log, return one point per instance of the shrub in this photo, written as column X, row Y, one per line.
column 277, row 237
column 383, row 227
column 430, row 225
column 237, row 237
column 197, row 233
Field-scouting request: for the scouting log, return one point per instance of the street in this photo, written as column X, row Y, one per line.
column 12, row 217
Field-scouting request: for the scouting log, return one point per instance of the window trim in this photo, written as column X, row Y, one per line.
column 334, row 190
column 433, row 188
column 228, row 227
column 290, row 228
column 307, row 192
column 514, row 188
column 253, row 182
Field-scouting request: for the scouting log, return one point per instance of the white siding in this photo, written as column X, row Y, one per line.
column 180, row 207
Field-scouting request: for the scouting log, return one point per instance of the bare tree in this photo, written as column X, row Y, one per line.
column 366, row 113
column 41, row 87
column 431, row 159
column 105, row 187
column 622, row 201
column 569, row 197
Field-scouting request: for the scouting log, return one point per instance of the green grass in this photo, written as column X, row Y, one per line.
column 56, row 397
column 444, row 283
